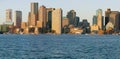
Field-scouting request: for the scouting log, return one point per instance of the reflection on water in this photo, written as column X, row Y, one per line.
column 59, row 46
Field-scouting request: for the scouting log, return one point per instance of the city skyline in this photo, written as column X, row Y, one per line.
column 85, row 12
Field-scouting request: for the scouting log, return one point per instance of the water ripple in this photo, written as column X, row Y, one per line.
column 59, row 46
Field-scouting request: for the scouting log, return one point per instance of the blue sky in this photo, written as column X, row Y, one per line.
column 85, row 8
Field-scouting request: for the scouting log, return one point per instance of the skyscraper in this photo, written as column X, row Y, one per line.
column 49, row 18
column 43, row 16
column 57, row 21
column 94, row 20
column 17, row 19
column 107, row 14
column 99, row 18
column 71, row 15
column 33, row 15
column 34, row 8
column 8, row 15
column 114, row 19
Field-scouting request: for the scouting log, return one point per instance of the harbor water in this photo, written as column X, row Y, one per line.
column 65, row 46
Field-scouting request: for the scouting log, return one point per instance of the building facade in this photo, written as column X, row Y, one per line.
column 94, row 20
column 17, row 19
column 71, row 15
column 33, row 14
column 114, row 18
column 43, row 16
column 49, row 18
column 8, row 15
column 34, row 8
column 99, row 18
column 107, row 15
column 57, row 21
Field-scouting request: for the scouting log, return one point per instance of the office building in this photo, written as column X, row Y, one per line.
column 17, row 18
column 43, row 16
column 107, row 15
column 71, row 15
column 33, row 14
column 34, row 8
column 57, row 21
column 9, row 15
column 85, row 25
column 94, row 20
column 114, row 19
column 49, row 18
column 99, row 18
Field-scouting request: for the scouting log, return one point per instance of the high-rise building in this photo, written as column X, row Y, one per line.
column 33, row 14
column 114, row 19
column 71, row 15
column 107, row 14
column 57, row 21
column 85, row 26
column 49, row 18
column 99, row 18
column 34, row 8
column 17, row 19
column 43, row 16
column 8, row 15
column 94, row 20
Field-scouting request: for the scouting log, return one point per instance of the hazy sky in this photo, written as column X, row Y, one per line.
column 85, row 8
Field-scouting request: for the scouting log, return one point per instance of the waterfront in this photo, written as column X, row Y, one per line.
column 65, row 46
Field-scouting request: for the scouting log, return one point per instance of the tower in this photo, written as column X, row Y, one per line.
column 71, row 15
column 17, row 18
column 107, row 15
column 34, row 8
column 49, row 18
column 114, row 19
column 94, row 20
column 99, row 18
column 43, row 16
column 8, row 15
column 33, row 14
column 57, row 21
